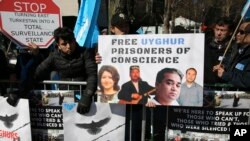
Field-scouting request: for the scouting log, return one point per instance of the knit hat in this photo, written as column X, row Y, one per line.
column 119, row 19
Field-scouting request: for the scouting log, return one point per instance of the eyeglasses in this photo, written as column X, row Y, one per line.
column 241, row 32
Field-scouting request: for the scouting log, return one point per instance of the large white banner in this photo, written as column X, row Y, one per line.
column 15, row 121
column 152, row 53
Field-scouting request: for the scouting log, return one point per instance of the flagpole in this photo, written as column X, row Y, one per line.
column 109, row 19
column 231, row 39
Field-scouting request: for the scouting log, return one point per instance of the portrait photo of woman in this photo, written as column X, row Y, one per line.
column 108, row 78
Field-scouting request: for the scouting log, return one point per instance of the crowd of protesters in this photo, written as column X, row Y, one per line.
column 34, row 64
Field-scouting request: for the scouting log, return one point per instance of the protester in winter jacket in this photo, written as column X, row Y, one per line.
column 237, row 72
column 73, row 63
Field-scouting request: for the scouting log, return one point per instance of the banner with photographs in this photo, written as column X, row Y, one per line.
column 46, row 114
column 15, row 121
column 103, row 122
column 149, row 54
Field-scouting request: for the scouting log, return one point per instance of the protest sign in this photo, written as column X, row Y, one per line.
column 152, row 53
column 14, row 121
column 30, row 21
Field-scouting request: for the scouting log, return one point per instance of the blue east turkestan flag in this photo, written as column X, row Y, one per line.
column 140, row 31
column 86, row 30
column 246, row 11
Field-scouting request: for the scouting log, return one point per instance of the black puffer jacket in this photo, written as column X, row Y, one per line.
column 79, row 66
column 238, row 70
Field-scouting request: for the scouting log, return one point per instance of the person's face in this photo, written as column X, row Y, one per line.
column 190, row 76
column 135, row 75
column 221, row 32
column 107, row 81
column 120, row 29
column 66, row 47
column 241, row 36
column 169, row 89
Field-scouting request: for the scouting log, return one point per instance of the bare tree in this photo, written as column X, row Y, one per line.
column 226, row 7
column 196, row 10
column 166, row 16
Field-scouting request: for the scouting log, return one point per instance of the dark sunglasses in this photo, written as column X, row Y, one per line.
column 241, row 32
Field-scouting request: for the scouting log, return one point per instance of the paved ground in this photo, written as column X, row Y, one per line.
column 55, row 101
column 228, row 103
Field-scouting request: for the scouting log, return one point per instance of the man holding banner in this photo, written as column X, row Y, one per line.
column 72, row 62
column 119, row 26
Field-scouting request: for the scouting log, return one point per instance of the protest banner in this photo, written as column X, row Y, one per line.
column 151, row 53
column 15, row 121
column 30, row 21
column 208, row 120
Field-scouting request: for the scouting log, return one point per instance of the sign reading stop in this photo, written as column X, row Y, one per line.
column 26, row 21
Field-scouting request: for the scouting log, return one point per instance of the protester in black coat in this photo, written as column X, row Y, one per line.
column 215, row 47
column 71, row 62
column 237, row 72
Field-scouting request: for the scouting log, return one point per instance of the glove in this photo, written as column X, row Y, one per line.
column 13, row 99
column 83, row 106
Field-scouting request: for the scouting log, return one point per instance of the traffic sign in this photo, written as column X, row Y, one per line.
column 30, row 21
